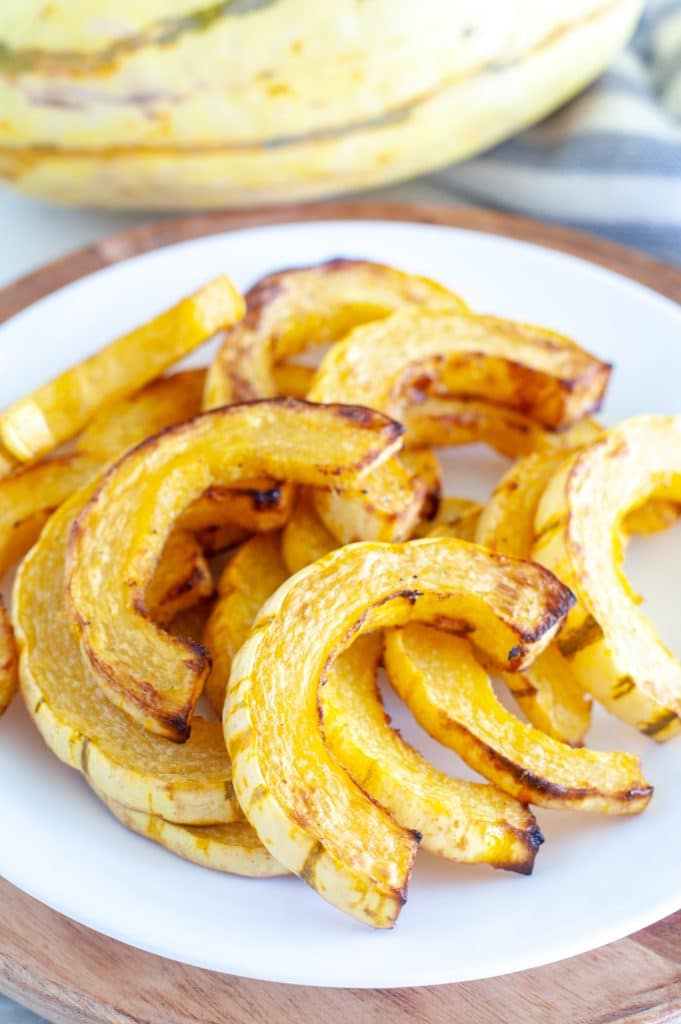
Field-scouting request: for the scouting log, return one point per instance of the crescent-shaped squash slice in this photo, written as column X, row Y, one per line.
column 189, row 783
column 181, row 580
column 302, row 804
column 390, row 362
column 117, row 540
column 442, row 421
column 56, row 411
column 8, row 660
column 233, row 847
column 248, row 579
column 547, row 691
column 292, row 310
column 612, row 647
column 531, row 369
column 455, row 517
column 464, row 821
column 305, row 538
column 451, row 696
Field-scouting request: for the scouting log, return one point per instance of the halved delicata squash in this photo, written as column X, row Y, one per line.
column 232, row 847
column 303, row 806
column 612, row 647
column 117, row 540
column 189, row 783
column 55, row 412
column 293, row 310
column 464, row 821
column 450, row 695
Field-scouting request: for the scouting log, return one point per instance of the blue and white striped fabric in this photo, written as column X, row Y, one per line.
column 609, row 162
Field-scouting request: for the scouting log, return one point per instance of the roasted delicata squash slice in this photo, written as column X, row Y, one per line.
column 295, row 794
column 392, row 361
column 117, row 540
column 293, row 310
column 467, row 822
column 611, row 645
column 455, row 517
column 442, row 421
column 305, row 538
column 249, row 578
column 30, row 494
column 548, row 691
column 232, row 847
column 8, row 660
column 463, row 821
column 450, row 695
column 181, row 580
column 531, row 369
column 189, row 783
column 59, row 409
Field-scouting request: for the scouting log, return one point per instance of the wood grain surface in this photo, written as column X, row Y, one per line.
column 71, row 974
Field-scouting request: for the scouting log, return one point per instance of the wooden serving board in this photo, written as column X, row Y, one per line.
column 69, row 973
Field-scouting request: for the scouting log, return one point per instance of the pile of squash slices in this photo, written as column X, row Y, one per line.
column 267, row 535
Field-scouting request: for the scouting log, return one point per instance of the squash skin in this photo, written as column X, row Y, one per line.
column 93, row 138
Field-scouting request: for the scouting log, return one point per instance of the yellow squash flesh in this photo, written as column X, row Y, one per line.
column 181, row 580
column 299, row 800
column 118, row 538
column 451, row 696
column 189, row 783
column 251, row 576
column 612, row 647
column 53, row 413
column 292, row 310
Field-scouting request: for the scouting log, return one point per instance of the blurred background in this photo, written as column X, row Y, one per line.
column 112, row 111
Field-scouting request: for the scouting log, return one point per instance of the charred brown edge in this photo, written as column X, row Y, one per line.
column 531, row 782
column 659, row 724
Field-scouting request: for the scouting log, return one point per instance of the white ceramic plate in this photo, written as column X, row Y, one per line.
column 595, row 880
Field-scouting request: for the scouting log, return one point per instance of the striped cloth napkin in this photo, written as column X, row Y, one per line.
column 609, row 162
